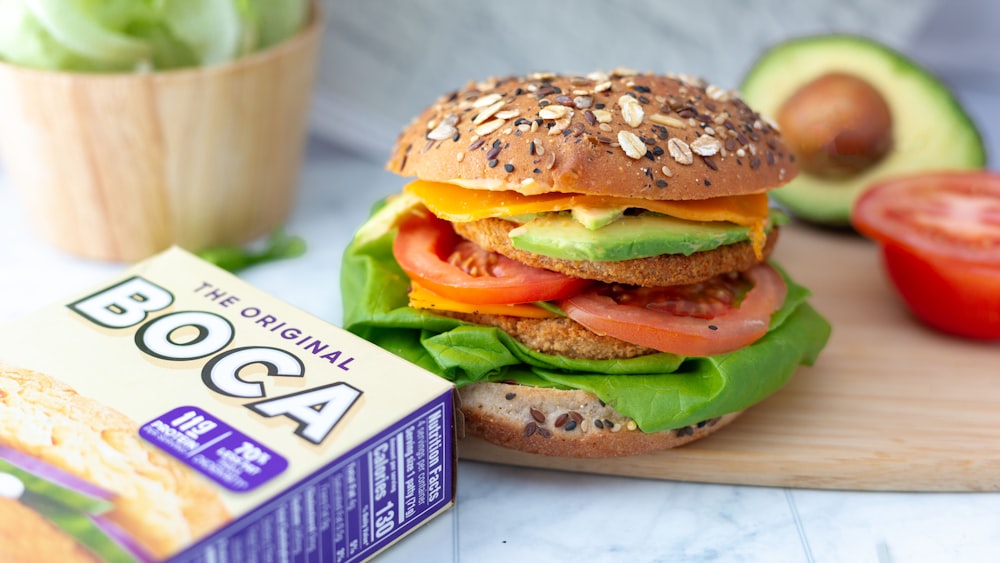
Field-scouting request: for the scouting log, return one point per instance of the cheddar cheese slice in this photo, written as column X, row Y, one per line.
column 423, row 298
column 457, row 204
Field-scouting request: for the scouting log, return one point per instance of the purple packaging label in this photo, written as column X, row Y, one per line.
column 353, row 507
column 214, row 448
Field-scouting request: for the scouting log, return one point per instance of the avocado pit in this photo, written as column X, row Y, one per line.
column 837, row 125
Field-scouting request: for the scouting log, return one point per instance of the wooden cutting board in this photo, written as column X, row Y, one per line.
column 890, row 405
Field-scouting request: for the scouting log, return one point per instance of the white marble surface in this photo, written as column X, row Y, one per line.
column 508, row 514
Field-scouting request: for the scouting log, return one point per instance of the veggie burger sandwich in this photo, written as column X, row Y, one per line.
column 587, row 258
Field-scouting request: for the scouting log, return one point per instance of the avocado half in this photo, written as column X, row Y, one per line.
column 931, row 130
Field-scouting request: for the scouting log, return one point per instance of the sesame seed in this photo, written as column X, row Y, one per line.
column 508, row 167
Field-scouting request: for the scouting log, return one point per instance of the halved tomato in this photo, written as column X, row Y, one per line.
column 940, row 237
column 429, row 251
column 720, row 315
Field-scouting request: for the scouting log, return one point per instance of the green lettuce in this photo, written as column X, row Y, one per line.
column 140, row 35
column 659, row 391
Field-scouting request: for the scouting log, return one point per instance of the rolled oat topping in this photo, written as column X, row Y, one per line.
column 667, row 119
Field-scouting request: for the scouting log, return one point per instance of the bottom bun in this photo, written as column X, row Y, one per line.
column 565, row 423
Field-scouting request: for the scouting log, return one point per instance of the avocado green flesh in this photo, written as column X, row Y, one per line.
column 595, row 218
column 931, row 130
column 633, row 236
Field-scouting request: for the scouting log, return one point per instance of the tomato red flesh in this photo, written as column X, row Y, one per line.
column 952, row 297
column 729, row 313
column 940, row 237
column 703, row 300
column 429, row 250
column 954, row 215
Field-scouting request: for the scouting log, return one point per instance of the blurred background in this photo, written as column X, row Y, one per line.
column 383, row 61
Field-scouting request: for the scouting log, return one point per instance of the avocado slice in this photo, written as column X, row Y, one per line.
column 597, row 217
column 930, row 130
column 647, row 234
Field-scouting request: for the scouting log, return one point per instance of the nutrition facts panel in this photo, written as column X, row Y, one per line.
column 351, row 509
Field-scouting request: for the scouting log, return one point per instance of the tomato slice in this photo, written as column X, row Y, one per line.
column 940, row 238
column 703, row 319
column 953, row 297
column 429, row 251
column 954, row 215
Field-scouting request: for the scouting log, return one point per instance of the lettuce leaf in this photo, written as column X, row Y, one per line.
column 659, row 391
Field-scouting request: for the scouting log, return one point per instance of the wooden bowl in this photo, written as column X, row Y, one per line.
column 120, row 166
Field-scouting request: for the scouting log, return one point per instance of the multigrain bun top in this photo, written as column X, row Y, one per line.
column 620, row 134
